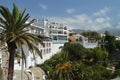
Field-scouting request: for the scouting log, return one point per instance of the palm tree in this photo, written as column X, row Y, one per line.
column 59, row 67
column 13, row 24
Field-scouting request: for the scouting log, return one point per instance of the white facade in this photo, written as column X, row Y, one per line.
column 86, row 42
column 117, row 37
column 46, row 54
column 53, row 30
column 57, row 35
column 58, row 32
column 89, row 43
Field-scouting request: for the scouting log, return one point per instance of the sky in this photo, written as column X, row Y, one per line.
column 77, row 14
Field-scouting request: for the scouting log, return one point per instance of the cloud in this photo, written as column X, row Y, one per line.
column 117, row 25
column 70, row 11
column 43, row 6
column 102, row 12
column 85, row 21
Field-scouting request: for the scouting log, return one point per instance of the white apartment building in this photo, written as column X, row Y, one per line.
column 53, row 34
column 46, row 52
column 58, row 32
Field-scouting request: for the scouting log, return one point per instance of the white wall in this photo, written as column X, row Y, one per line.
column 90, row 45
column 55, row 48
column 30, row 60
column 29, row 56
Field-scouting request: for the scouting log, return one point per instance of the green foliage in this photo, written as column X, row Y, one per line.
column 92, row 34
column 117, row 43
column 75, row 50
column 99, row 54
column 90, row 72
column 117, row 72
column 59, row 67
column 110, row 43
column 77, row 70
column 96, row 56
column 107, row 33
column 77, row 63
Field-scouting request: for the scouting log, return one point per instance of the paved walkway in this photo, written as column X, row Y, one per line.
column 18, row 75
column 37, row 74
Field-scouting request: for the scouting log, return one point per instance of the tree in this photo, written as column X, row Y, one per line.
column 13, row 24
column 59, row 67
column 96, row 55
column 75, row 51
column 110, row 43
column 117, row 43
column 92, row 34
column 75, row 62
column 107, row 33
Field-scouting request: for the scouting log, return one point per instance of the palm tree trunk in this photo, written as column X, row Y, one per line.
column 22, row 68
column 11, row 50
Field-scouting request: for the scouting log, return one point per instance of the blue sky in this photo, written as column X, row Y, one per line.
column 82, row 14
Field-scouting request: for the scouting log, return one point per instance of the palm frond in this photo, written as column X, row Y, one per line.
column 15, row 13
column 2, row 22
column 34, row 38
column 25, row 42
column 21, row 14
column 18, row 43
column 7, row 16
column 37, row 51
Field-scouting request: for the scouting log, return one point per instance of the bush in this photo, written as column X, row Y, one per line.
column 75, row 51
column 75, row 62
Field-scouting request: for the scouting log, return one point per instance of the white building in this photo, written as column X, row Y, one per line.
column 58, row 33
column 85, row 41
column 117, row 37
column 46, row 53
column 89, row 42
column 53, row 34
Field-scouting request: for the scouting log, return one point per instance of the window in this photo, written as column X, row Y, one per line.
column 65, row 28
column 32, row 30
column 62, row 37
column 65, row 32
column 54, row 37
column 50, row 26
column 49, row 50
column 60, row 32
column 49, row 44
